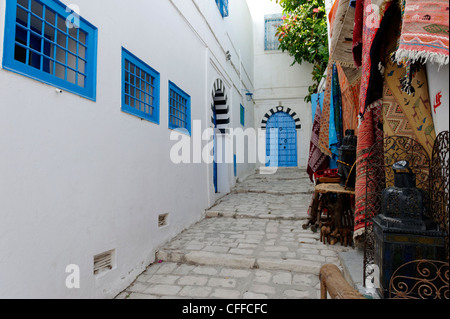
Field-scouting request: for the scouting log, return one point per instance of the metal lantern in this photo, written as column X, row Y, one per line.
column 403, row 232
column 347, row 159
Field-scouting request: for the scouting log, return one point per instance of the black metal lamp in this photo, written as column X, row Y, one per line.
column 403, row 232
column 347, row 159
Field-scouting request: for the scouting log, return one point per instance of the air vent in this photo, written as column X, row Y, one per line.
column 103, row 262
column 162, row 220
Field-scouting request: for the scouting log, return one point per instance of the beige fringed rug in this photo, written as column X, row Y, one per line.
column 342, row 39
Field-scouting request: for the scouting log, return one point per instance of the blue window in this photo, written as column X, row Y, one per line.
column 242, row 115
column 179, row 108
column 223, row 7
column 48, row 44
column 140, row 88
column 272, row 22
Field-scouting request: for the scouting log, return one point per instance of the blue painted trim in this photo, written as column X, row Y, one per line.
column 242, row 115
column 155, row 118
column 10, row 64
column 215, row 178
column 173, row 87
column 223, row 7
column 235, row 165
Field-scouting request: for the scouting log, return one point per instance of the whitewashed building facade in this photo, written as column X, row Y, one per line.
column 280, row 89
column 87, row 110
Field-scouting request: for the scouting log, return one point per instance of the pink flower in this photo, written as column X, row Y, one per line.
column 316, row 10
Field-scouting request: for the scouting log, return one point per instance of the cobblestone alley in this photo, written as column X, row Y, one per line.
column 251, row 245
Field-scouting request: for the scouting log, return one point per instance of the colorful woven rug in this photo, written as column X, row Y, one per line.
column 370, row 133
column 373, row 13
column 358, row 32
column 371, row 129
column 408, row 114
column 317, row 160
column 425, row 32
column 389, row 29
column 338, row 134
column 332, row 16
column 324, row 140
column 341, row 39
column 350, row 98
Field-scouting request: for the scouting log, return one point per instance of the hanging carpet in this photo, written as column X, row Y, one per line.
column 317, row 160
column 342, row 37
column 425, row 32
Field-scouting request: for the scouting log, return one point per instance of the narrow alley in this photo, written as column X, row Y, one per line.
column 251, row 245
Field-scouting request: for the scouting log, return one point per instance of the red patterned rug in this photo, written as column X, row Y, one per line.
column 425, row 32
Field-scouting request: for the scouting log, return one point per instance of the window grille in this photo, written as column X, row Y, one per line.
column 140, row 88
column 179, row 108
column 272, row 22
column 51, row 44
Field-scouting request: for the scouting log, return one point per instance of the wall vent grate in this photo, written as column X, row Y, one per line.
column 103, row 262
column 163, row 220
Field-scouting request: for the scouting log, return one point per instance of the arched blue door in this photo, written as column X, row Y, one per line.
column 281, row 143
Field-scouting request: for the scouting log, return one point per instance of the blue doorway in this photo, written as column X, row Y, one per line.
column 215, row 152
column 281, row 141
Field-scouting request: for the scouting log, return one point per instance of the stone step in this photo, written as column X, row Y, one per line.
column 211, row 213
column 274, row 185
column 240, row 262
column 169, row 280
column 250, row 244
column 262, row 206
column 240, row 189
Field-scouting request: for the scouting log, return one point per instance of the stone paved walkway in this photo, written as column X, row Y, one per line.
column 251, row 245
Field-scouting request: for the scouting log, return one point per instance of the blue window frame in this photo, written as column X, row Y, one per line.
column 223, row 7
column 242, row 113
column 179, row 108
column 140, row 88
column 272, row 22
column 49, row 43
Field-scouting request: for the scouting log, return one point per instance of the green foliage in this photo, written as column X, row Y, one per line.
column 304, row 35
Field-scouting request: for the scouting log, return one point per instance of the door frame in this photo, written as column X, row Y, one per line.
column 288, row 110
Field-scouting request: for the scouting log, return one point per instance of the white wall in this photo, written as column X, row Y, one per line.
column 438, row 83
column 277, row 81
column 78, row 177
